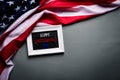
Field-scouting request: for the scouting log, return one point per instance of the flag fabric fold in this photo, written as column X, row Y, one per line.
column 17, row 25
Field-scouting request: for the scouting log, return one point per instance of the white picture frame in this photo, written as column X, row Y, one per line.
column 58, row 49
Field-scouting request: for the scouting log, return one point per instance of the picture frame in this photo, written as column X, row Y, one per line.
column 45, row 40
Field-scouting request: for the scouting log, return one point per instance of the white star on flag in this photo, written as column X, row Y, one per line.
column 3, row 25
column 4, row 17
column 32, row 1
column 17, row 8
column 11, row 17
column 10, row 3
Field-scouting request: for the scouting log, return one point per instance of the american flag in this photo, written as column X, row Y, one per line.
column 19, row 17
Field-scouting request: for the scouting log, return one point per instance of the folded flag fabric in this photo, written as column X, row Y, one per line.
column 19, row 17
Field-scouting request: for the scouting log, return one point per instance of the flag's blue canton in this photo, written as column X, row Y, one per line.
column 10, row 10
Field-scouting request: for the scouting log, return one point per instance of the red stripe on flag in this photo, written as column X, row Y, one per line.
column 54, row 19
column 56, row 4
column 85, row 1
column 59, row 5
